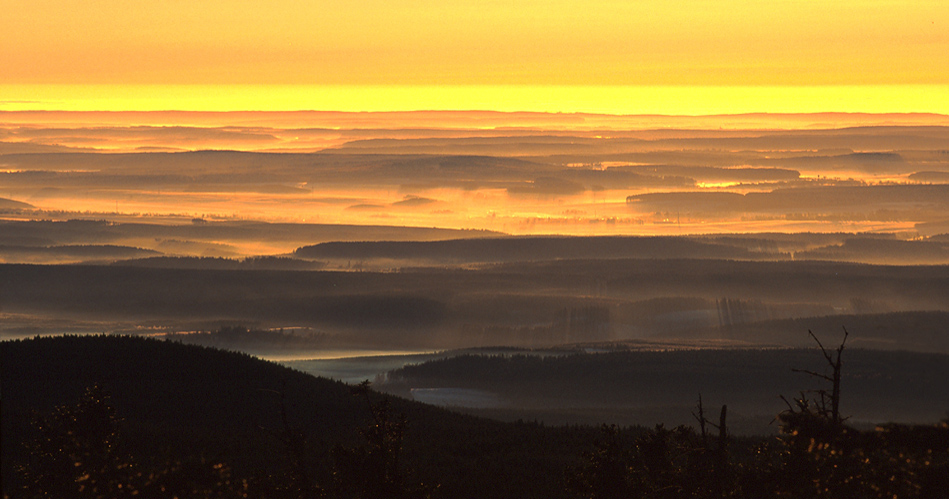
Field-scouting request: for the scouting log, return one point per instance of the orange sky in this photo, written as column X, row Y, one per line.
column 53, row 49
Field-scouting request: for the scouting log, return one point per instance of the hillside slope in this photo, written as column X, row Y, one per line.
column 184, row 402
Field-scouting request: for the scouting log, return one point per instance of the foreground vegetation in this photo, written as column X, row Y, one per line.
column 129, row 417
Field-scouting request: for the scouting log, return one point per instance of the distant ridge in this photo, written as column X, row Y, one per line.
column 7, row 204
column 526, row 249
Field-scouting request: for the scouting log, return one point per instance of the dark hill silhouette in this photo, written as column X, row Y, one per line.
column 217, row 263
column 105, row 232
column 884, row 250
column 181, row 401
column 8, row 204
column 525, row 249
column 84, row 252
column 252, row 341
column 799, row 200
column 856, row 247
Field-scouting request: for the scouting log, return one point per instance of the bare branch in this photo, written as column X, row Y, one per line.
column 812, row 373
column 701, row 419
column 822, row 349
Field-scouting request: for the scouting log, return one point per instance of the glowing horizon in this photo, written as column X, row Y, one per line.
column 559, row 42
column 643, row 65
column 646, row 57
column 616, row 100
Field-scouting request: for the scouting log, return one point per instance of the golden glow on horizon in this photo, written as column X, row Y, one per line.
column 428, row 42
column 670, row 100
column 618, row 57
column 648, row 56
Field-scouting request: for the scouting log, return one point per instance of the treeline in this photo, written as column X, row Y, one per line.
column 251, row 340
column 631, row 382
column 220, row 263
column 515, row 249
column 918, row 331
column 862, row 247
column 71, row 253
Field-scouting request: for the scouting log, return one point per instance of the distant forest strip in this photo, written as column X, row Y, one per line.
column 134, row 290
column 877, row 381
column 531, row 248
column 80, row 231
column 864, row 248
column 525, row 303
column 200, row 242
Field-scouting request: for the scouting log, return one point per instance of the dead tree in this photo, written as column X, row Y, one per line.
column 833, row 398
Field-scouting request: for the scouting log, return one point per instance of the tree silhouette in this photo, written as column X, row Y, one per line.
column 74, row 453
column 374, row 470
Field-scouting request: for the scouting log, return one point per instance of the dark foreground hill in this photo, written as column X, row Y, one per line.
column 171, row 420
column 185, row 403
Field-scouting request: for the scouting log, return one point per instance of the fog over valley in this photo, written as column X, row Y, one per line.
column 585, row 176
column 510, row 293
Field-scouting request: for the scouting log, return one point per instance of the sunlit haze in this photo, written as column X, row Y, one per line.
column 635, row 100
column 644, row 57
column 653, row 42
column 522, row 117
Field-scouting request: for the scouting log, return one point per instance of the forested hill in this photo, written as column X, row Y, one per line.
column 164, row 420
column 183, row 403
column 518, row 249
